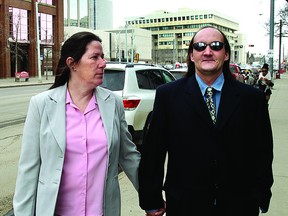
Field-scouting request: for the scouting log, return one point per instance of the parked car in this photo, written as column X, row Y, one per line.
column 236, row 72
column 179, row 72
column 136, row 84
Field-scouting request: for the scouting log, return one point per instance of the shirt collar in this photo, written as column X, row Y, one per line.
column 217, row 85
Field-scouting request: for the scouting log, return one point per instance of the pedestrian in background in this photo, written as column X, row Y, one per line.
column 74, row 137
column 212, row 168
column 264, row 81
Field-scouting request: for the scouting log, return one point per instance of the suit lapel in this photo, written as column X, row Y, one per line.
column 230, row 100
column 107, row 110
column 56, row 113
column 193, row 94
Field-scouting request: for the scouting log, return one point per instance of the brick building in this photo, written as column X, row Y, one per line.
column 18, row 35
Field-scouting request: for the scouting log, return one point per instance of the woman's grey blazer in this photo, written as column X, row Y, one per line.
column 43, row 152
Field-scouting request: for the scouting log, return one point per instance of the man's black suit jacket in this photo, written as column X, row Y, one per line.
column 230, row 161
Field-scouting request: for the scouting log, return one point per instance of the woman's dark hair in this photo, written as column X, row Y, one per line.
column 74, row 47
column 226, row 66
column 265, row 66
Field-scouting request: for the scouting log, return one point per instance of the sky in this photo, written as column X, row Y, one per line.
column 250, row 14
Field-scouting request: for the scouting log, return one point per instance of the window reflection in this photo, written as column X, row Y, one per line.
column 46, row 28
column 18, row 24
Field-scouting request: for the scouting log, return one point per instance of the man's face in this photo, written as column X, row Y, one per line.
column 209, row 62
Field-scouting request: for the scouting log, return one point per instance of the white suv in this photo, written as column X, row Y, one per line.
column 136, row 84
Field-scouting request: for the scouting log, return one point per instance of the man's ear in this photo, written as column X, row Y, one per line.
column 191, row 56
column 227, row 56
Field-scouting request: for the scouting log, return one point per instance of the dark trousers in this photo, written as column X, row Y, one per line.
column 205, row 206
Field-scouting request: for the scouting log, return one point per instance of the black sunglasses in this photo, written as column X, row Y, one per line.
column 215, row 45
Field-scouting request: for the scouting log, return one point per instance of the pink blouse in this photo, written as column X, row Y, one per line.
column 82, row 184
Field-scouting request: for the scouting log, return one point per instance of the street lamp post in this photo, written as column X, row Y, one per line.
column 38, row 42
column 119, row 53
column 126, row 41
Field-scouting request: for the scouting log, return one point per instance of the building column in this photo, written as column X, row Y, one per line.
column 58, row 35
column 5, row 67
column 32, row 49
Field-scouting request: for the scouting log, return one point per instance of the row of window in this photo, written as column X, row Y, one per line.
column 163, row 43
column 19, row 25
column 171, row 19
column 192, row 26
column 179, row 35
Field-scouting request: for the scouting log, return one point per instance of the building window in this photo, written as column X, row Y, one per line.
column 50, row 2
column 18, row 24
column 46, row 28
column 188, row 34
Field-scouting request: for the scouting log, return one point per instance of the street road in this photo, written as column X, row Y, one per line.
column 13, row 108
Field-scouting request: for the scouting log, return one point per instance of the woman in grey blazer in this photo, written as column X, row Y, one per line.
column 74, row 137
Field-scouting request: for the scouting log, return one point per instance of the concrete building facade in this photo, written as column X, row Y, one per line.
column 122, row 45
column 173, row 31
column 92, row 14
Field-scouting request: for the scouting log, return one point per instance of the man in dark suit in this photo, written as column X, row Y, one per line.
column 218, row 163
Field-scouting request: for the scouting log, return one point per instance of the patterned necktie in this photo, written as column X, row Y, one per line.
column 210, row 104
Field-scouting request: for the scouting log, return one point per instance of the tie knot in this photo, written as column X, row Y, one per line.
column 209, row 91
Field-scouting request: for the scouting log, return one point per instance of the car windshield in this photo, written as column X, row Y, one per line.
column 113, row 80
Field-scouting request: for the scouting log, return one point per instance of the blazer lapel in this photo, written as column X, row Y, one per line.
column 106, row 105
column 56, row 113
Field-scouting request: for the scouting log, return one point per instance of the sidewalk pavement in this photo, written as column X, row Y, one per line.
column 278, row 108
column 10, row 82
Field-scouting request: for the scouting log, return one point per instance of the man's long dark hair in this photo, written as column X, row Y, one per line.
column 74, row 47
column 191, row 65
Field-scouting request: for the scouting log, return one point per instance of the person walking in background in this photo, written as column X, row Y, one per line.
column 74, row 137
column 264, row 81
column 211, row 169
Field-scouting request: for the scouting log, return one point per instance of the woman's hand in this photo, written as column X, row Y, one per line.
column 158, row 212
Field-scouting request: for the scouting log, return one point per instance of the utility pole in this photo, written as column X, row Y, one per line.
column 280, row 43
column 271, row 41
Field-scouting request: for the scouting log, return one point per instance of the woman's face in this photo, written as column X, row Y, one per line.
column 264, row 71
column 90, row 69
